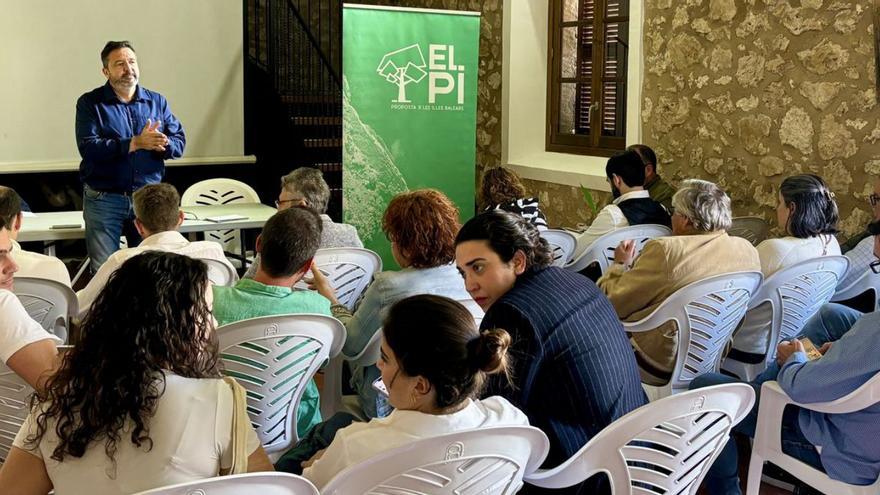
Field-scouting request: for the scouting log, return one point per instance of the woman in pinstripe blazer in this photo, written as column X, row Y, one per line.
column 574, row 370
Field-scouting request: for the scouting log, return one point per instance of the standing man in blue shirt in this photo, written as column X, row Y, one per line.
column 124, row 134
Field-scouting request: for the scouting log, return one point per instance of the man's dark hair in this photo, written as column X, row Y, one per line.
column 647, row 154
column 289, row 240
column 628, row 166
column 110, row 47
column 10, row 207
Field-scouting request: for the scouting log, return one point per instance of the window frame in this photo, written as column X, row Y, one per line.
column 593, row 144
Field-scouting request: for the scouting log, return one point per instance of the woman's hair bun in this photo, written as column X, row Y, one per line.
column 489, row 351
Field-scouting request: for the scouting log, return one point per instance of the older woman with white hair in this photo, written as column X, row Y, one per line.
column 306, row 187
column 699, row 248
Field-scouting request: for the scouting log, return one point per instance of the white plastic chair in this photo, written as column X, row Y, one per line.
column 220, row 273
column 767, row 444
column 859, row 277
column 273, row 358
column 706, row 312
column 332, row 399
column 474, row 308
column 664, row 447
column 52, row 304
column 795, row 294
column 563, row 244
column 602, row 249
column 752, row 229
column 349, row 271
column 220, row 192
column 487, row 461
column 14, row 407
column 239, row 484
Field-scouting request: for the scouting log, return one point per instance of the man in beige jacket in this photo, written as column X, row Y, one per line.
column 699, row 248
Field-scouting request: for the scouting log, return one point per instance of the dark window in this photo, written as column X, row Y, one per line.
column 586, row 82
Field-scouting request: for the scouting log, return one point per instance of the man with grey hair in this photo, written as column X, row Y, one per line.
column 699, row 248
column 305, row 186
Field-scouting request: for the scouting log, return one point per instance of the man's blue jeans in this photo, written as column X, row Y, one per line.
column 830, row 323
column 108, row 216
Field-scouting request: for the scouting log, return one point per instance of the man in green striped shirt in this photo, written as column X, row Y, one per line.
column 286, row 246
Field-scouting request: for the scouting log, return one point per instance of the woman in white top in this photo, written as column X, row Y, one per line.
column 139, row 402
column 433, row 363
column 807, row 212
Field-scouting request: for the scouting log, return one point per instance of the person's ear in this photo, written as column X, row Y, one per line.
column 259, row 244
column 17, row 225
column 180, row 217
column 140, row 227
column 106, row 72
column 423, row 386
column 519, row 262
column 305, row 268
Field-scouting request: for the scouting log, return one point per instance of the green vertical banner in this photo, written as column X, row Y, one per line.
column 409, row 110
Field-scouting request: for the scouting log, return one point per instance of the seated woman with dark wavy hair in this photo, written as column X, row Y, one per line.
column 139, row 403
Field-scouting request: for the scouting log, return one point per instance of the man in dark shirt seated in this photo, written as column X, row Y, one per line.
column 574, row 371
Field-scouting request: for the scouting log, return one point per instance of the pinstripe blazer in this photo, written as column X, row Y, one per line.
column 574, row 370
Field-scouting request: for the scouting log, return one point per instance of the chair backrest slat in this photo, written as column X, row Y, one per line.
column 52, row 304
column 221, row 191
column 237, row 484
column 14, row 407
column 349, row 271
column 602, row 249
column 752, row 229
column 563, row 244
column 488, row 461
column 666, row 446
column 273, row 357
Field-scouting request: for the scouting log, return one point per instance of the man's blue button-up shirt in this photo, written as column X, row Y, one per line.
column 105, row 126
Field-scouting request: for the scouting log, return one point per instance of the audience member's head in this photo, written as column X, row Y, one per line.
column 288, row 243
column 649, row 159
column 304, row 187
column 10, row 210
column 421, row 226
column 625, row 172
column 156, row 209
column 437, row 368
column 806, row 207
column 493, row 249
column 150, row 319
column 700, row 207
column 500, row 186
column 8, row 267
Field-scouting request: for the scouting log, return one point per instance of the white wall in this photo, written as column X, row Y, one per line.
column 190, row 51
column 525, row 98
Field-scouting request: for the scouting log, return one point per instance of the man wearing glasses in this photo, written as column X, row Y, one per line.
column 874, row 199
column 306, row 187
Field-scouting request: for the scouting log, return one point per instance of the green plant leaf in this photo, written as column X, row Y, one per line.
column 588, row 198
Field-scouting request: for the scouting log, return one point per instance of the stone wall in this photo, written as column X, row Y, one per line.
column 747, row 92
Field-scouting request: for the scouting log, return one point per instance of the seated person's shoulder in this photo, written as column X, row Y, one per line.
column 500, row 411
column 9, row 302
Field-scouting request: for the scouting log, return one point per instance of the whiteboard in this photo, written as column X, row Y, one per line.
column 190, row 51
